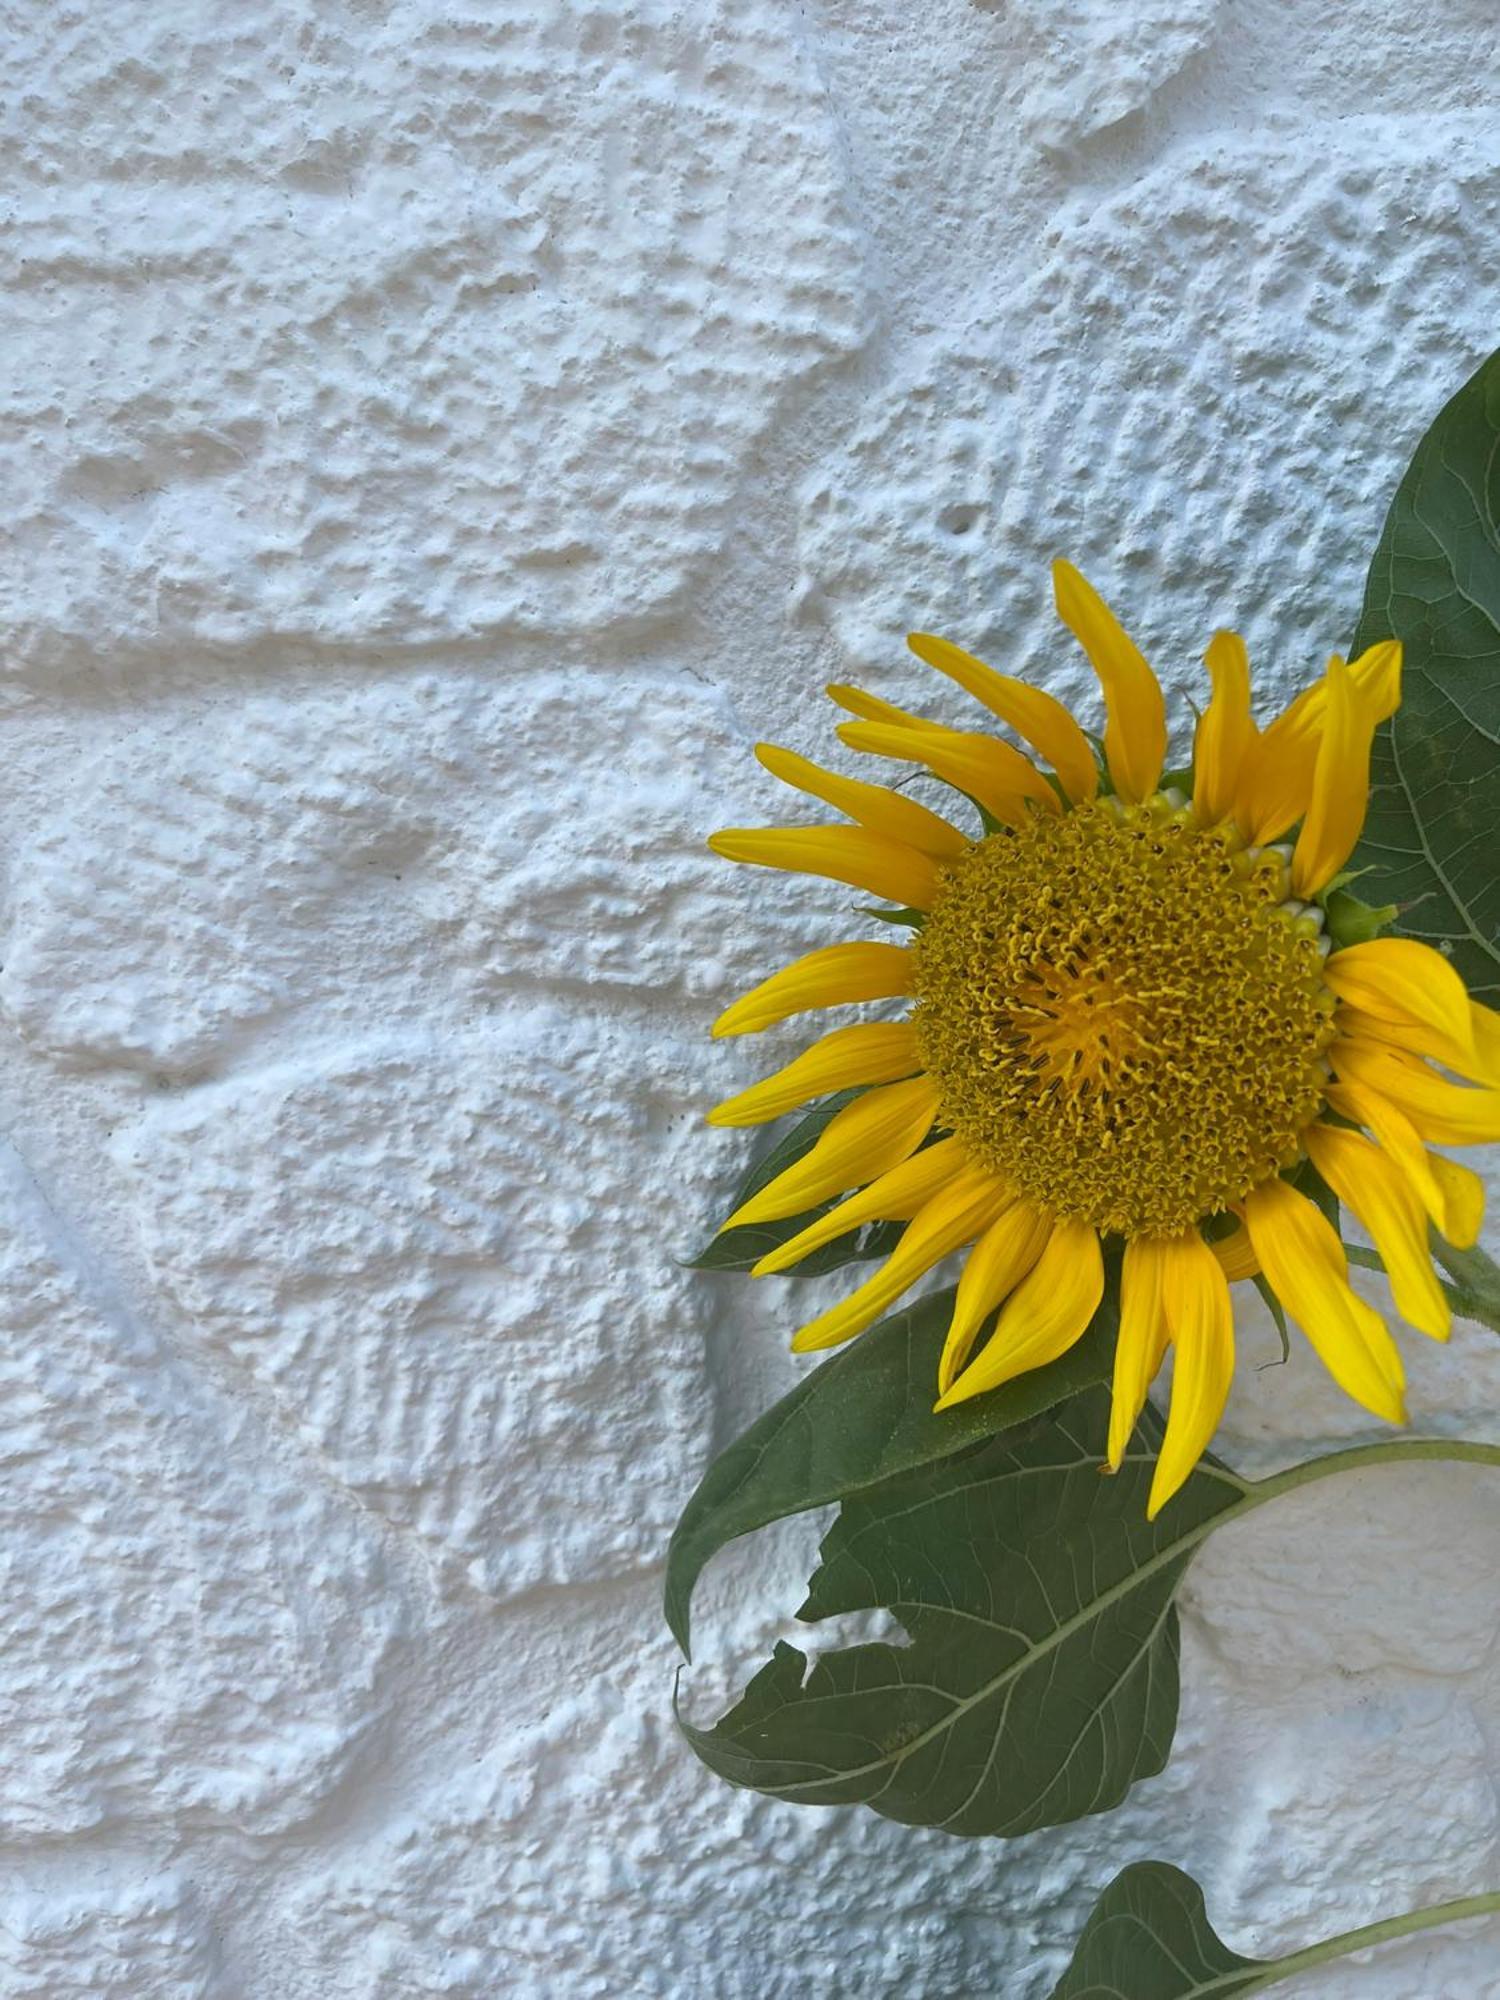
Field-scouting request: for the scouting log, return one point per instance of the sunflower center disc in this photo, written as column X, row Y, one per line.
column 1123, row 1021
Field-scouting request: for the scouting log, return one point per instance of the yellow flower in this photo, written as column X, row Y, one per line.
column 1128, row 1024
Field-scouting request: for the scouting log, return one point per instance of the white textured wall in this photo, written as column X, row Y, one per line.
column 439, row 437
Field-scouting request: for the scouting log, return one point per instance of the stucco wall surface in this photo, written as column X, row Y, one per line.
column 438, row 439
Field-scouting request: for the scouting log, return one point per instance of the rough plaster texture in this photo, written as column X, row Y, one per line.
column 438, row 439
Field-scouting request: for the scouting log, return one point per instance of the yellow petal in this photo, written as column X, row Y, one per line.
column 849, row 854
column 953, row 1217
column 1397, row 1134
column 994, row 1267
column 1305, row 1265
column 1046, row 1313
column 1417, row 1040
column 837, row 976
column 1225, row 732
column 877, row 1131
column 874, row 707
column 1276, row 776
column 1372, row 1184
column 1376, row 675
column 1484, row 1026
column 1463, row 1201
column 1000, row 778
column 1135, row 732
column 1038, row 718
column 1142, row 1340
column 1407, row 984
column 874, row 806
column 1276, row 784
column 1201, row 1323
column 892, row 1197
column 868, row 1052
column 1443, row 1113
column 1236, row 1255
column 1340, row 787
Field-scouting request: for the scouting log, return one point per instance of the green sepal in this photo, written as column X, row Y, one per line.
column 1349, row 921
column 739, row 1249
column 913, row 919
column 1277, row 1312
column 1306, row 1179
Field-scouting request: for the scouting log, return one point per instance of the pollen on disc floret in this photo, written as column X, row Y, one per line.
column 1125, row 1018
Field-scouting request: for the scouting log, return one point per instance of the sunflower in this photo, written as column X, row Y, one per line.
column 1130, row 1026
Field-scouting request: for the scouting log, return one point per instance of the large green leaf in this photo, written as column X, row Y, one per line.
column 1041, row 1678
column 1431, row 837
column 856, row 1420
column 1149, row 1938
column 738, row 1249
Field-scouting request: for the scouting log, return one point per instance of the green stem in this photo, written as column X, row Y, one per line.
column 1393, row 1451
column 1371, row 1934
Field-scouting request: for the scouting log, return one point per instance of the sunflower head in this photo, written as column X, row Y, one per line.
column 1129, row 1028
column 1125, row 1013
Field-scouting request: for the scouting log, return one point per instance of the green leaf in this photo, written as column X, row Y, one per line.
column 1430, row 839
column 862, row 1416
column 1041, row 1679
column 1149, row 1938
column 738, row 1249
